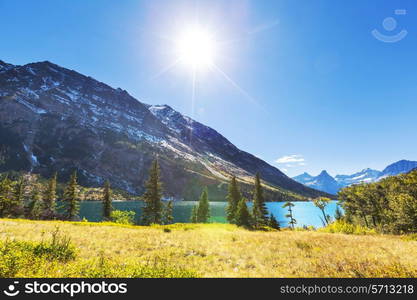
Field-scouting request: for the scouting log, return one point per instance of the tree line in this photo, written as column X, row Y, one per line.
column 43, row 203
column 40, row 202
column 389, row 205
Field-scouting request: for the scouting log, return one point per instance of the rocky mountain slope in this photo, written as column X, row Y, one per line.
column 327, row 183
column 55, row 119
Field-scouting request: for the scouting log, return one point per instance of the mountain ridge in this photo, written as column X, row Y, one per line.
column 367, row 175
column 56, row 119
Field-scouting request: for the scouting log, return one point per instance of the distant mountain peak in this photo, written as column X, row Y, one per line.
column 324, row 174
column 324, row 181
column 401, row 166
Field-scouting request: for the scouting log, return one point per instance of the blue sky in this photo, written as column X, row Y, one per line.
column 316, row 89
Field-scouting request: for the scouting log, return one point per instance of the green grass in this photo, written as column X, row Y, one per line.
column 83, row 249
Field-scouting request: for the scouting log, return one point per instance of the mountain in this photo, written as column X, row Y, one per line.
column 55, row 119
column 366, row 176
column 402, row 166
column 303, row 178
column 323, row 182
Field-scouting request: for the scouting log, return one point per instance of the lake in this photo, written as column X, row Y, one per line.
column 304, row 212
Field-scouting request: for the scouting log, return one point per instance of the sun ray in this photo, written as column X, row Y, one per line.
column 193, row 93
column 165, row 70
column 235, row 85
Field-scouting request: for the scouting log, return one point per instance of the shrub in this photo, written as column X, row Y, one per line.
column 126, row 217
column 58, row 248
column 347, row 228
column 23, row 258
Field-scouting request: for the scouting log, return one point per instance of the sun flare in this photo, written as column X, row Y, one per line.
column 196, row 48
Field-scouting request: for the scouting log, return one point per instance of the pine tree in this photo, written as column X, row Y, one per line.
column 203, row 210
column 290, row 216
column 233, row 198
column 18, row 198
column 259, row 210
column 71, row 198
column 50, row 197
column 107, row 201
column 193, row 218
column 6, row 197
column 35, row 205
column 168, row 217
column 273, row 223
column 243, row 217
column 152, row 210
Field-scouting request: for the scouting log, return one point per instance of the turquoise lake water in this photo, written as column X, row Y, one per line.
column 304, row 212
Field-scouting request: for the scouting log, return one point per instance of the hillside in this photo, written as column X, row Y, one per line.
column 210, row 250
column 55, row 119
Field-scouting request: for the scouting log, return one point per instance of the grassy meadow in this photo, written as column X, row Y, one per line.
column 82, row 249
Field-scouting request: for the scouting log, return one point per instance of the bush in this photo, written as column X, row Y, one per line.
column 58, row 248
column 347, row 228
column 126, row 217
column 23, row 258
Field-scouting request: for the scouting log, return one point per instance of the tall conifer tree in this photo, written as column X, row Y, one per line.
column 259, row 210
column 152, row 210
column 35, row 205
column 71, row 198
column 243, row 217
column 203, row 210
column 107, row 201
column 233, row 198
column 50, row 196
column 18, row 198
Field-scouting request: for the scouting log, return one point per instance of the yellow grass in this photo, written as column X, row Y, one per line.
column 220, row 250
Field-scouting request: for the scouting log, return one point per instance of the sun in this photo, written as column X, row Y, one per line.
column 196, row 48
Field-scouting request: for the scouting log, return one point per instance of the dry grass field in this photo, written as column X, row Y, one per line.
column 196, row 250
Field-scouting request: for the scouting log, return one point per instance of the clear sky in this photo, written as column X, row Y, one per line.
column 312, row 87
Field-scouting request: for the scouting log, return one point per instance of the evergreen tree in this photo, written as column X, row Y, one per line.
column 243, row 217
column 203, row 210
column 273, row 223
column 71, row 198
column 259, row 210
column 193, row 218
column 233, row 198
column 168, row 217
column 107, row 201
column 152, row 211
column 35, row 205
column 50, row 197
column 291, row 221
column 6, row 197
column 18, row 198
